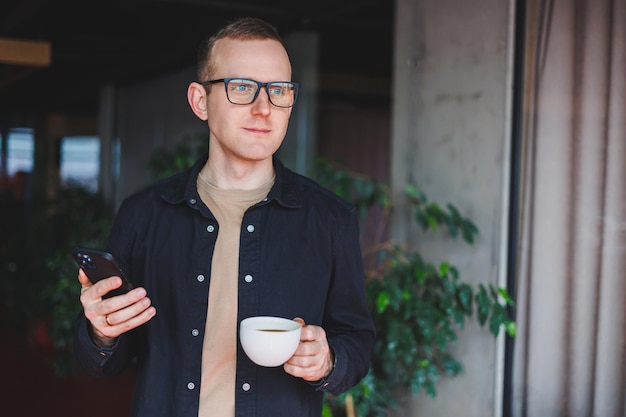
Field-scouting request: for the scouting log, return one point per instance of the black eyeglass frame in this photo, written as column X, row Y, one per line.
column 256, row 94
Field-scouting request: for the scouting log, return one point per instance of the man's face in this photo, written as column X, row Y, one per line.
column 251, row 132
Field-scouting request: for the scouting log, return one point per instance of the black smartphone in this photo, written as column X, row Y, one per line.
column 98, row 265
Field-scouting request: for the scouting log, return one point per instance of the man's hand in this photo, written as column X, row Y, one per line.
column 313, row 359
column 111, row 317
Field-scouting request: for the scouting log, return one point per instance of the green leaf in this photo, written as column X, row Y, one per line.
column 326, row 411
column 505, row 295
column 459, row 317
column 498, row 318
column 483, row 303
column 420, row 274
column 432, row 222
column 411, row 190
column 465, row 294
column 511, row 328
column 451, row 366
column 444, row 268
column 382, row 301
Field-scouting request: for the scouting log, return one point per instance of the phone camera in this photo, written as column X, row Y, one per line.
column 85, row 261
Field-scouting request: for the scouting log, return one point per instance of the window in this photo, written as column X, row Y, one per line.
column 20, row 151
column 80, row 162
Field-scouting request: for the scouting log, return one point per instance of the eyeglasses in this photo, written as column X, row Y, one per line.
column 243, row 91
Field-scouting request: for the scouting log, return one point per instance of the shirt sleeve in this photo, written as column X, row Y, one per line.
column 348, row 321
column 94, row 359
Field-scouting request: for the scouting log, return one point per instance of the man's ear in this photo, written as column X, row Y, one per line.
column 196, row 96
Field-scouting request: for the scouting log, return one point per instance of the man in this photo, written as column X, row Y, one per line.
column 237, row 235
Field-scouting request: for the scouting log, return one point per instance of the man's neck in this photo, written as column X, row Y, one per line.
column 240, row 175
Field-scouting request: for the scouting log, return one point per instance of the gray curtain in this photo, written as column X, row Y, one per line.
column 570, row 353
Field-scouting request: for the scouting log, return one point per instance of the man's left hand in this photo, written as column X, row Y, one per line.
column 313, row 359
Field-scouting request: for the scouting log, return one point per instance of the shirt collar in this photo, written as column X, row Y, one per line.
column 182, row 187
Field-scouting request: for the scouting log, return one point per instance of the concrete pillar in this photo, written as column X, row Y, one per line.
column 299, row 147
column 450, row 137
column 109, row 144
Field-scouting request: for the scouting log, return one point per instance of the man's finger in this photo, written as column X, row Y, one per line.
column 82, row 278
column 106, row 285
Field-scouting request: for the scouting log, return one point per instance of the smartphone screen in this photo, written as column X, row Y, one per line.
column 99, row 265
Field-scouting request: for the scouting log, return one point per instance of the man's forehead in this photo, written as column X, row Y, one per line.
column 236, row 44
column 253, row 53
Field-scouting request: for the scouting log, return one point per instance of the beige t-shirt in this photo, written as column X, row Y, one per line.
column 219, row 351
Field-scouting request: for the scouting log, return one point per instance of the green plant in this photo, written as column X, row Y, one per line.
column 418, row 307
column 164, row 162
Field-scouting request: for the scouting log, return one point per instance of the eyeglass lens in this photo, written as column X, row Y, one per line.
column 242, row 91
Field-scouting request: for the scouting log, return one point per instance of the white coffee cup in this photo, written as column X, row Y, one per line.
column 269, row 341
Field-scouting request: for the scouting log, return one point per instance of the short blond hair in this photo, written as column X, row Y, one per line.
column 247, row 28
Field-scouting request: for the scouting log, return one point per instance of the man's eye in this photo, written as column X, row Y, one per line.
column 241, row 88
column 277, row 91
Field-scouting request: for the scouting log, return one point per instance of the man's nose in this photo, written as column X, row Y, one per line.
column 262, row 104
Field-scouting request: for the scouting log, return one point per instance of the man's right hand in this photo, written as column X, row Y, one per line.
column 110, row 317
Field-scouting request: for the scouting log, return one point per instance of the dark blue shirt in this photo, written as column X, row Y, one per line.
column 299, row 257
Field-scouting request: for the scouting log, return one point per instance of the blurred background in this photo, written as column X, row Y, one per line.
column 514, row 111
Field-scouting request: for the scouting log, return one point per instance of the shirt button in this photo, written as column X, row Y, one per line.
column 248, row 278
column 245, row 387
column 210, row 228
column 192, row 201
column 195, row 332
column 191, row 386
column 250, row 228
column 200, row 278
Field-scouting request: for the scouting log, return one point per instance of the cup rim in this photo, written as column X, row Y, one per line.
column 250, row 322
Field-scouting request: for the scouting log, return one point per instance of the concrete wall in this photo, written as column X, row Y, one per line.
column 450, row 137
column 150, row 115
